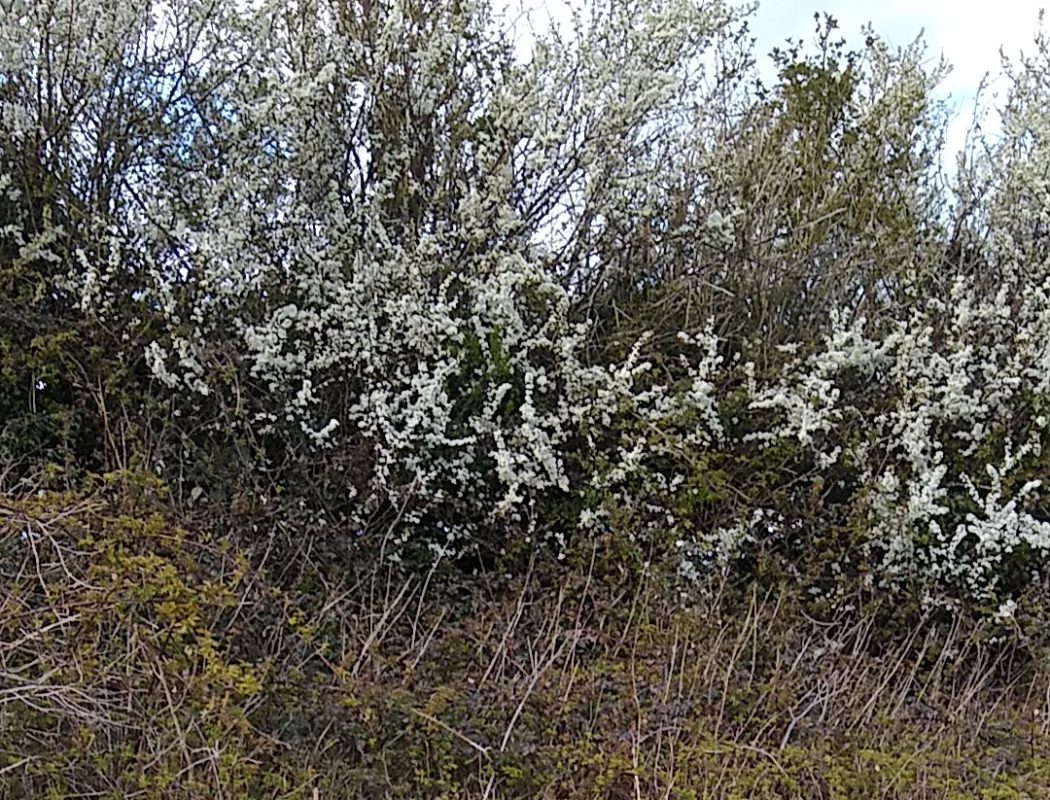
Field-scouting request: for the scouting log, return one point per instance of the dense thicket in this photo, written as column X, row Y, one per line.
column 367, row 264
column 382, row 382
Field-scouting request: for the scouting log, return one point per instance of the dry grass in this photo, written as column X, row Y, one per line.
column 138, row 660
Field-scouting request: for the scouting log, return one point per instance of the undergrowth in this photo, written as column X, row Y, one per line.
column 146, row 655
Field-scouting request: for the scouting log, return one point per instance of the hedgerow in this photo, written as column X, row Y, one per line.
column 372, row 268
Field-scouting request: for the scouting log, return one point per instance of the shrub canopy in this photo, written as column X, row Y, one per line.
column 363, row 261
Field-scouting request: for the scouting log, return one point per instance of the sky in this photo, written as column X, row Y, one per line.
column 968, row 35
